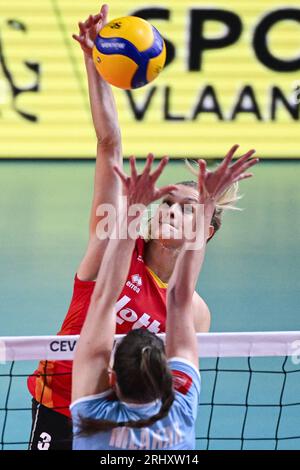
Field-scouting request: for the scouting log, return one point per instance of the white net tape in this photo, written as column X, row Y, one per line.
column 209, row 344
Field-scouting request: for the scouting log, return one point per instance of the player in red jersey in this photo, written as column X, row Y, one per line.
column 147, row 399
column 142, row 302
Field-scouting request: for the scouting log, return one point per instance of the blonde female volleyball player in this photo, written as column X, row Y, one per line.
column 142, row 302
column 136, row 405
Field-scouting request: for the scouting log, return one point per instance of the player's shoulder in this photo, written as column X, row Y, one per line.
column 92, row 405
column 81, row 282
column 199, row 302
column 201, row 312
column 140, row 244
column 187, row 387
column 185, row 375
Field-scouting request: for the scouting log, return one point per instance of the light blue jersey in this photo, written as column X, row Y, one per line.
column 175, row 431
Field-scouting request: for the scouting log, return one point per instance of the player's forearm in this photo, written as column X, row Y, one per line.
column 99, row 327
column 115, row 264
column 103, row 107
column 115, row 270
column 96, row 338
column 181, row 338
column 188, row 265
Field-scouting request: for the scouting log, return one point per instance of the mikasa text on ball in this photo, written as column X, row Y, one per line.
column 129, row 52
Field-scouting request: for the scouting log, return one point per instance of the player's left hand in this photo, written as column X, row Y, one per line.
column 212, row 184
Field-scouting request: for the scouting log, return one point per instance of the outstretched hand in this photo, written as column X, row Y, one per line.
column 212, row 184
column 140, row 188
column 89, row 29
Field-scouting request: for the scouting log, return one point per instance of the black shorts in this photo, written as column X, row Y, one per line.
column 50, row 430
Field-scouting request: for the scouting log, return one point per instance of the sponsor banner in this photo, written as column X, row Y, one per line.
column 232, row 76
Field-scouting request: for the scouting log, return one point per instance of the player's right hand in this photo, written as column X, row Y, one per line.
column 141, row 188
column 89, row 29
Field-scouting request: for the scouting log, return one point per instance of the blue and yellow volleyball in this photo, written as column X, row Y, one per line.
column 129, row 52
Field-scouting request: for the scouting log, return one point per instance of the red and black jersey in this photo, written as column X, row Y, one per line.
column 142, row 304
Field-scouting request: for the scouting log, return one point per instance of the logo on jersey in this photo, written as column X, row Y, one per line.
column 181, row 381
column 135, row 283
column 128, row 315
column 136, row 279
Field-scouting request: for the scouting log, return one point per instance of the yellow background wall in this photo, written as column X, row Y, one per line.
column 39, row 31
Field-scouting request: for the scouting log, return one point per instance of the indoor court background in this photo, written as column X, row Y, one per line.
column 250, row 280
column 251, row 274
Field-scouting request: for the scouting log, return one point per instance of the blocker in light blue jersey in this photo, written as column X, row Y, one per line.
column 175, row 431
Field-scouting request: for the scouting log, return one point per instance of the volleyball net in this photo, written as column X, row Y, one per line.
column 250, row 397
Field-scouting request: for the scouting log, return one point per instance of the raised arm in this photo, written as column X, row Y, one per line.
column 96, row 339
column 107, row 187
column 181, row 339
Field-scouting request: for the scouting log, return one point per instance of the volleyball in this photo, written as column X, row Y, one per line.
column 129, row 52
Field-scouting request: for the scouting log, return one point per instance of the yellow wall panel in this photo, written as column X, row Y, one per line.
column 54, row 120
